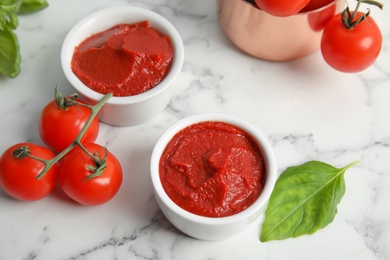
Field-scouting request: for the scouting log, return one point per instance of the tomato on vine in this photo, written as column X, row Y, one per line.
column 351, row 42
column 90, row 176
column 19, row 172
column 62, row 120
column 88, row 173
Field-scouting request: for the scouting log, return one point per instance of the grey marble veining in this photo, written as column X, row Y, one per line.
column 306, row 109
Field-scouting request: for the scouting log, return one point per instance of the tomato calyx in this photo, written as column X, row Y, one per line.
column 62, row 102
column 21, row 152
column 100, row 164
column 349, row 18
column 24, row 151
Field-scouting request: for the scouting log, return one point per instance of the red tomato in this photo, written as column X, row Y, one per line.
column 316, row 4
column 18, row 176
column 74, row 171
column 319, row 19
column 58, row 128
column 351, row 50
column 281, row 7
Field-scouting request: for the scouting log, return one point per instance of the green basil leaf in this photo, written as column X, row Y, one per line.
column 9, row 53
column 32, row 6
column 13, row 21
column 10, row 6
column 8, row 13
column 3, row 20
column 304, row 200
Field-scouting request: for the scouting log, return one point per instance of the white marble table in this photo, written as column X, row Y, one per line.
column 306, row 109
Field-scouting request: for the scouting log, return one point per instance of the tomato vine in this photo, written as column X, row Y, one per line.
column 63, row 102
column 86, row 171
column 349, row 18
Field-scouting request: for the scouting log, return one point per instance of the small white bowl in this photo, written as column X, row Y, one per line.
column 130, row 110
column 208, row 228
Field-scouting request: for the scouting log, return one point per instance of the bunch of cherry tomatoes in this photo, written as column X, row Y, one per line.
column 87, row 172
column 351, row 40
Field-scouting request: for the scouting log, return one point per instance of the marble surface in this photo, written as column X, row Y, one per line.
column 306, row 109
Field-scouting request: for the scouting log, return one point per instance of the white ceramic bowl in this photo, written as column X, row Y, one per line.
column 207, row 228
column 131, row 110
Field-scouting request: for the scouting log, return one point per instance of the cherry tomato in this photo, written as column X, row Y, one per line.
column 316, row 4
column 58, row 128
column 351, row 50
column 18, row 176
column 281, row 7
column 319, row 19
column 75, row 176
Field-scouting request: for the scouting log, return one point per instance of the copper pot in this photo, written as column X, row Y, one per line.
column 270, row 37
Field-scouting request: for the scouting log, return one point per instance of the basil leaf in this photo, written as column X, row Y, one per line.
column 13, row 21
column 32, row 6
column 9, row 44
column 8, row 10
column 9, row 53
column 10, row 6
column 3, row 20
column 304, row 200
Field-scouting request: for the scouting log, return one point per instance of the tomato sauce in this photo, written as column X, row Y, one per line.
column 212, row 169
column 126, row 60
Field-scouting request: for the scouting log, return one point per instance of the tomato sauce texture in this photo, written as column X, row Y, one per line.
column 212, row 169
column 126, row 60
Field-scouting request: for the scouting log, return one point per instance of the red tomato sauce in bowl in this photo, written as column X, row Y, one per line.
column 126, row 60
column 212, row 169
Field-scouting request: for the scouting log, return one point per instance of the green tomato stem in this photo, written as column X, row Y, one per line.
column 94, row 111
column 349, row 19
column 373, row 2
column 84, row 149
column 100, row 165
